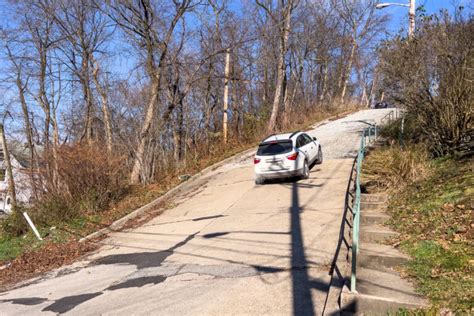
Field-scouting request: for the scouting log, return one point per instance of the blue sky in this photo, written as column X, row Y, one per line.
column 399, row 15
column 122, row 62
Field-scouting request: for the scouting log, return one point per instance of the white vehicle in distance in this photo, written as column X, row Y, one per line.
column 286, row 155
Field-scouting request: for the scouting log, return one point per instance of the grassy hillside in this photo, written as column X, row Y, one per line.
column 432, row 208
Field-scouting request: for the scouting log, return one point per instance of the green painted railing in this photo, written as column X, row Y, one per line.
column 369, row 135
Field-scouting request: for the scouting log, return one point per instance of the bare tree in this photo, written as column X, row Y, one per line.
column 282, row 20
column 139, row 20
column 360, row 18
column 85, row 32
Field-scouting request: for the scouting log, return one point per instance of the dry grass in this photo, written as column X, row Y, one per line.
column 390, row 168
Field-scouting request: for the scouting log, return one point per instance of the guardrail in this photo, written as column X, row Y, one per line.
column 369, row 135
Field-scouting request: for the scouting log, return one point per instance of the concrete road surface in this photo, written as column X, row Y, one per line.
column 227, row 248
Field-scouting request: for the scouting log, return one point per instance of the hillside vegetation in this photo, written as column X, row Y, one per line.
column 427, row 168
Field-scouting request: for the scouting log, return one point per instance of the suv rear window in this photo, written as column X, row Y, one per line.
column 275, row 148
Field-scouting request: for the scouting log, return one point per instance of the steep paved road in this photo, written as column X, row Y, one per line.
column 228, row 247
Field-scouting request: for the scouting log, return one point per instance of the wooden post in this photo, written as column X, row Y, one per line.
column 226, row 94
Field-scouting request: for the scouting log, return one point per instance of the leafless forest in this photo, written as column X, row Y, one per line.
column 102, row 94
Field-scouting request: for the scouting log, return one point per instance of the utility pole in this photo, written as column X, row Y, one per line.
column 226, row 94
column 411, row 17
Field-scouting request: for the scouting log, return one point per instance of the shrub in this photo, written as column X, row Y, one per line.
column 87, row 179
column 431, row 76
column 80, row 179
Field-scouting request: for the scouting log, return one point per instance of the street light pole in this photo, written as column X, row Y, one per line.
column 411, row 17
column 411, row 14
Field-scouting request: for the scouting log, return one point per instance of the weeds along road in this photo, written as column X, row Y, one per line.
column 228, row 247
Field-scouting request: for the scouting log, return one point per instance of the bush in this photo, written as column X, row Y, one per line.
column 82, row 180
column 87, row 180
column 431, row 76
column 387, row 169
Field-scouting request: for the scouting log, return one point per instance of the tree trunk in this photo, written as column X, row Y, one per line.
column 226, row 96
column 86, row 88
column 284, row 34
column 179, row 135
column 105, row 107
column 55, row 171
column 347, row 71
column 325, row 73
column 28, row 132
column 145, row 130
column 6, row 156
column 154, row 71
column 43, row 98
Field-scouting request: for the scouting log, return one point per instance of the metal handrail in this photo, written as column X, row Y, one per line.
column 371, row 132
column 356, row 206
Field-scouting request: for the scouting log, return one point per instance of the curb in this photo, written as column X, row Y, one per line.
column 115, row 226
column 180, row 187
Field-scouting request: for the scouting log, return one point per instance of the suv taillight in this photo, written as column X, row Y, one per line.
column 256, row 160
column 292, row 156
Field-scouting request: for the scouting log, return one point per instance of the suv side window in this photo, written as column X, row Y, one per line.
column 307, row 138
column 300, row 141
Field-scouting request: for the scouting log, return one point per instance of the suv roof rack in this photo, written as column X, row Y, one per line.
column 294, row 133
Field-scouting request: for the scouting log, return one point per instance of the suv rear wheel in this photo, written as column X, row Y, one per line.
column 305, row 172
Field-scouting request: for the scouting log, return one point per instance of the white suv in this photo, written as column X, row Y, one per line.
column 286, row 155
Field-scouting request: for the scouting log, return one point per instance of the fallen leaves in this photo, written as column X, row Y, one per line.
column 444, row 244
column 49, row 257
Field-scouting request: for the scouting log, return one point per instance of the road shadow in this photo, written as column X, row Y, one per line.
column 302, row 283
